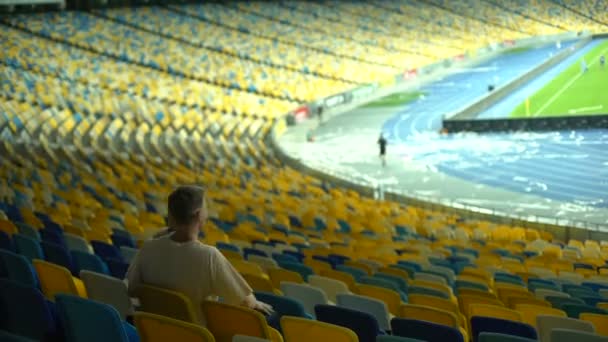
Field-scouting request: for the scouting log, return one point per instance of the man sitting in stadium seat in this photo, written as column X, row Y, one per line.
column 179, row 262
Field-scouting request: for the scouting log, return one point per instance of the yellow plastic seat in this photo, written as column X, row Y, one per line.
column 431, row 314
column 55, row 279
column 8, row 227
column 259, row 283
column 304, row 330
column 505, row 293
column 279, row 275
column 437, row 286
column 530, row 312
column 156, row 328
column 603, row 305
column 247, row 267
column 476, row 292
column 231, row 255
column 494, row 311
column 464, row 301
column 391, row 298
column 512, row 302
column 317, row 266
column 359, row 265
column 396, row 272
column 246, row 322
column 438, row 303
column 600, row 322
column 167, row 303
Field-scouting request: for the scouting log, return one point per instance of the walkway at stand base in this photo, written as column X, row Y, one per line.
column 557, row 174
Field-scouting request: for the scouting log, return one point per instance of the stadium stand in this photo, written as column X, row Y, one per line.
column 102, row 114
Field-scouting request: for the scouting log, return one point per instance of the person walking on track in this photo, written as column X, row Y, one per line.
column 382, row 143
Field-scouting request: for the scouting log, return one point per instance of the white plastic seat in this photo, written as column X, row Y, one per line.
column 546, row 324
column 331, row 287
column 108, row 290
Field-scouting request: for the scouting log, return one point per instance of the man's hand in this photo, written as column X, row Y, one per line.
column 263, row 308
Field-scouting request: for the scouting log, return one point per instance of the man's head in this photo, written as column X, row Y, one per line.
column 187, row 207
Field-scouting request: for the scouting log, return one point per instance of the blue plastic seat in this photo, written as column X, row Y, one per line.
column 18, row 268
column 247, row 251
column 5, row 336
column 385, row 283
column 302, row 269
column 25, row 312
column 426, row 331
column 401, row 283
column 27, row 230
column 416, row 266
column 558, row 302
column 6, row 242
column 372, row 306
column 481, row 324
column 574, row 310
column 363, row 324
column 281, row 257
column 227, row 247
column 28, row 247
column 49, row 235
column 89, row 262
column 390, row 338
column 283, row 306
column 411, row 271
column 495, row 337
column 120, row 240
column 458, row 284
column 355, row 272
column 91, row 321
column 106, row 251
column 297, row 255
column 59, row 255
column 595, row 286
column 118, row 269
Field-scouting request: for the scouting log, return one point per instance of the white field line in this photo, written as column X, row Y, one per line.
column 585, row 109
column 566, row 86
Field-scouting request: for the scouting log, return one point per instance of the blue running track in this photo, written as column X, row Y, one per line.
column 571, row 167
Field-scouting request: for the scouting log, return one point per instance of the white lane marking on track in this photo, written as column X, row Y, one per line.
column 585, row 109
column 567, row 85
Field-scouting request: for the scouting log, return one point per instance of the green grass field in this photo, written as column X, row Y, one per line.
column 396, row 99
column 572, row 92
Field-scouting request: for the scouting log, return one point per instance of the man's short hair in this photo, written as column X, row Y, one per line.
column 184, row 203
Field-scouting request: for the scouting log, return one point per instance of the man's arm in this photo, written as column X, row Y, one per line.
column 230, row 285
column 134, row 274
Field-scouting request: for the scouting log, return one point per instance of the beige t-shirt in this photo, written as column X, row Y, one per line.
column 197, row 270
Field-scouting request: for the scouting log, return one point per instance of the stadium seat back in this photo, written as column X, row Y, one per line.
column 18, row 268
column 157, row 328
column 25, row 311
column 166, row 302
column 55, row 279
column 308, row 295
column 305, row 330
column 481, row 324
column 363, row 324
column 108, row 290
column 28, row 247
column 372, row 306
column 87, row 320
column 546, row 324
column 250, row 322
column 425, row 331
